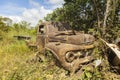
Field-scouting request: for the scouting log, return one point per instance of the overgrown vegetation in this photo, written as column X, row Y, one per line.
column 85, row 15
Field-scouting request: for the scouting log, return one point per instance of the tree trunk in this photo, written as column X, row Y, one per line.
column 109, row 14
column 106, row 16
column 97, row 12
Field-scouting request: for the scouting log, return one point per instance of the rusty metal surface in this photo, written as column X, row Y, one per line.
column 60, row 51
column 69, row 48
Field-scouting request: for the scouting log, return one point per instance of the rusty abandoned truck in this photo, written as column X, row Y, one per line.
column 70, row 48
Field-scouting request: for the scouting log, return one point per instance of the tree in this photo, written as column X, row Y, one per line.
column 89, row 14
column 4, row 24
column 80, row 14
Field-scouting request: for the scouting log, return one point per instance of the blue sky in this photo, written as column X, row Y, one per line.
column 28, row 10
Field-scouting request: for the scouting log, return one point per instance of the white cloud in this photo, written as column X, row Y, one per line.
column 33, row 3
column 15, row 19
column 56, row 2
column 33, row 14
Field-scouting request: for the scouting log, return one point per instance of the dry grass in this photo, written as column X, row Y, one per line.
column 13, row 65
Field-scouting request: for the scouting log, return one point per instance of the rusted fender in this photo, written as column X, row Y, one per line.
column 59, row 50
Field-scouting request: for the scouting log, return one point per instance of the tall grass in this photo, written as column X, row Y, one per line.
column 13, row 56
column 13, row 66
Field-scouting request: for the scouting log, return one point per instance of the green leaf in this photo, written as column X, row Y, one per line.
column 88, row 74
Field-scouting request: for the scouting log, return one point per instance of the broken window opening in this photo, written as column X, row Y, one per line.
column 41, row 29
